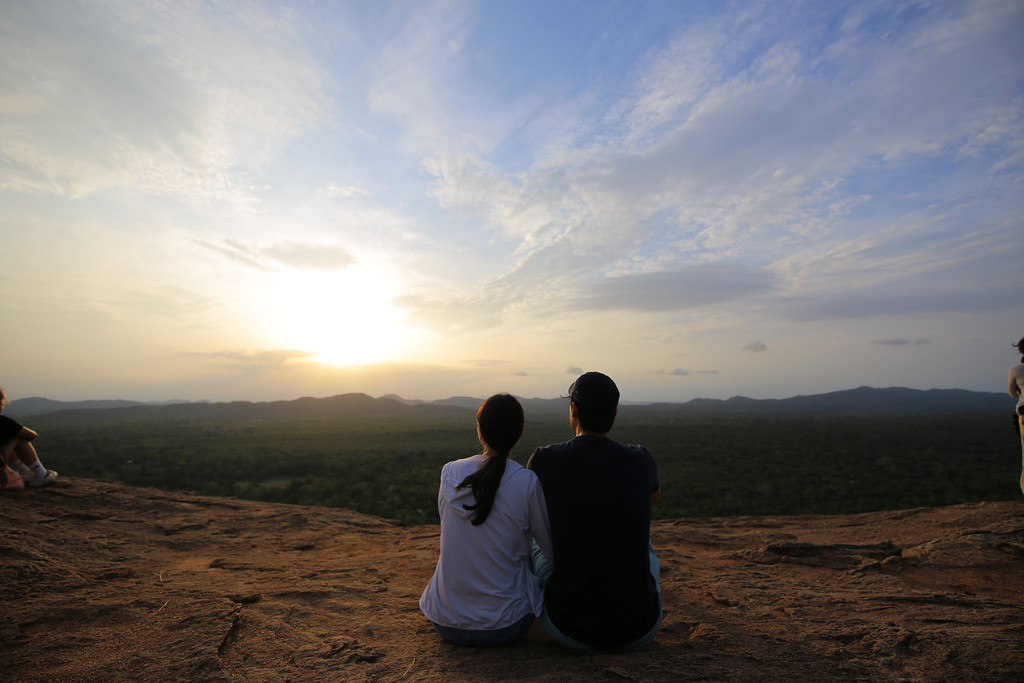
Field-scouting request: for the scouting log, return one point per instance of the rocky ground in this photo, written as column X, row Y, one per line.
column 104, row 582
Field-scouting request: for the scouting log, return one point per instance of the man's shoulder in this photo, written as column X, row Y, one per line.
column 553, row 448
column 546, row 454
column 636, row 448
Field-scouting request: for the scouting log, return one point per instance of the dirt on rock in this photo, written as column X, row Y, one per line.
column 105, row 582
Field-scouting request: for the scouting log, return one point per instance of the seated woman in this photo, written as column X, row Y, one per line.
column 492, row 509
column 18, row 451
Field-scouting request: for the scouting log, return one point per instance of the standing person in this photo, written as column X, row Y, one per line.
column 1016, row 389
column 492, row 510
column 16, row 443
column 602, row 589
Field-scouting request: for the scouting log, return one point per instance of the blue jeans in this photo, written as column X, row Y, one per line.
column 543, row 568
column 494, row 638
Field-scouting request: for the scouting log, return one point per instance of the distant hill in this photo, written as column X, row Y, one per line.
column 349, row 405
column 862, row 400
column 36, row 405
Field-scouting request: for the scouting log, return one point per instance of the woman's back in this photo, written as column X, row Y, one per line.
column 483, row 579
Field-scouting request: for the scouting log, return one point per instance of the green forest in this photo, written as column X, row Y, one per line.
column 708, row 465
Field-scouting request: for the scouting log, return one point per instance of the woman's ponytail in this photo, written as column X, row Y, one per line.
column 500, row 420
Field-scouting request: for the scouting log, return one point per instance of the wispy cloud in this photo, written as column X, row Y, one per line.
column 900, row 342
column 252, row 358
column 683, row 372
column 335, row 190
column 306, row 256
column 297, row 255
column 169, row 100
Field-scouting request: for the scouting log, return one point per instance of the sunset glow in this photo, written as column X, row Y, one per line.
column 344, row 317
column 263, row 200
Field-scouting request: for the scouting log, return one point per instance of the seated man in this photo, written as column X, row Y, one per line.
column 602, row 589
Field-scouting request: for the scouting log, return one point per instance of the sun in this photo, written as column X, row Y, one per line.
column 345, row 317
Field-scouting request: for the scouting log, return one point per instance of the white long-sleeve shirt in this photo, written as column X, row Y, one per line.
column 483, row 579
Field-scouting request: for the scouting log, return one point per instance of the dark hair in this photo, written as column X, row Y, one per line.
column 1020, row 348
column 596, row 398
column 500, row 421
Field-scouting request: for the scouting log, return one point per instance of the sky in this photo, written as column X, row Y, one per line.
column 703, row 199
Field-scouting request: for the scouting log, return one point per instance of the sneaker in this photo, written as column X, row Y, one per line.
column 35, row 481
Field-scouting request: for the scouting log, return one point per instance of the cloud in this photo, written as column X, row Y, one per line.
column 744, row 141
column 879, row 300
column 456, row 315
column 959, row 260
column 170, row 301
column 574, row 370
column 306, row 256
column 334, row 190
column 252, row 358
column 485, row 362
column 755, row 346
column 296, row 255
column 423, row 81
column 900, row 342
column 682, row 372
column 173, row 101
column 692, row 286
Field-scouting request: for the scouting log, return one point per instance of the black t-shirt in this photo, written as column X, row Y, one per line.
column 598, row 494
column 8, row 429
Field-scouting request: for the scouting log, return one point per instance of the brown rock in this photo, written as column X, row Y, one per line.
column 100, row 581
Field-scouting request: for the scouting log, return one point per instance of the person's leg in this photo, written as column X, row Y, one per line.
column 542, row 568
column 490, row 638
column 649, row 636
column 16, row 464
column 26, row 453
column 10, row 478
column 456, row 636
column 570, row 644
column 540, row 565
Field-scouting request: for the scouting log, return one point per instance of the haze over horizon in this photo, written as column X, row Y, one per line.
column 267, row 200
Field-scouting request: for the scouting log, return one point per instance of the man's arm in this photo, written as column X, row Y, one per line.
column 656, row 496
column 529, row 463
column 27, row 434
column 1013, row 388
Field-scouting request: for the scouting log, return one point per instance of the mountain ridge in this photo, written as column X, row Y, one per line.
column 860, row 400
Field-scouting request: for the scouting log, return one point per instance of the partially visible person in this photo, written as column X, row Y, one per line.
column 18, row 451
column 602, row 589
column 492, row 509
column 1016, row 389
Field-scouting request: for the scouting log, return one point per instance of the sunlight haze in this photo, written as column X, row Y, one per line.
column 267, row 200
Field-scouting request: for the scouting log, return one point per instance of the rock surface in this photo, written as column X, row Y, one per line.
column 105, row 582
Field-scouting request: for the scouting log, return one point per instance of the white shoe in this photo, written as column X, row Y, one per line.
column 35, row 481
